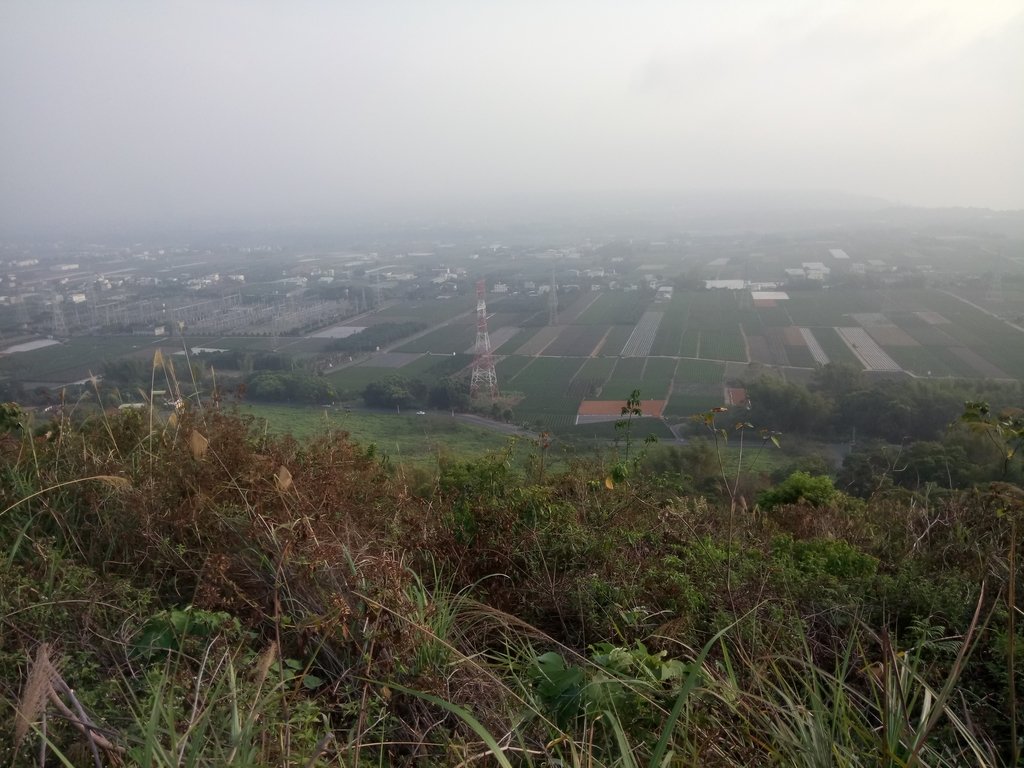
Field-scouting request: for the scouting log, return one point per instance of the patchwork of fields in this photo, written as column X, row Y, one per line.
column 606, row 345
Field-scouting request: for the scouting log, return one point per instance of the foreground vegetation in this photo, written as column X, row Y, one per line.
column 194, row 590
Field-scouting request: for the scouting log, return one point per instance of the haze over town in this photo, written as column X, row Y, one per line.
column 315, row 113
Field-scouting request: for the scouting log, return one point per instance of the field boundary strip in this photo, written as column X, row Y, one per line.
column 812, row 344
column 641, row 339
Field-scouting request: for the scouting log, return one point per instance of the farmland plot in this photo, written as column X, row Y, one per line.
column 351, row 381
column 497, row 338
column 891, row 336
column 393, row 359
column 640, row 341
column 669, row 337
column 592, row 375
column 577, row 340
column 547, row 386
column 508, row 367
column 830, row 308
column 435, row 366
column 835, row 348
column 657, row 378
column 697, row 387
column 547, row 376
column 616, row 340
column 922, row 330
column 77, row 357
column 690, row 344
column 959, row 362
column 427, row 310
column 795, row 346
column 540, row 340
column 872, row 356
column 750, row 321
column 570, row 315
column 625, row 378
column 652, row 376
column 724, row 344
column 999, row 343
column 615, row 308
column 455, row 337
column 800, row 357
column 922, row 361
column 760, row 351
column 713, row 310
column 777, row 346
column 981, row 366
column 515, row 342
column 774, row 317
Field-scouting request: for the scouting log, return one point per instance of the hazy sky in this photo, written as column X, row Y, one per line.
column 169, row 111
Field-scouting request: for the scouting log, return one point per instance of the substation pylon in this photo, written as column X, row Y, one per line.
column 484, row 378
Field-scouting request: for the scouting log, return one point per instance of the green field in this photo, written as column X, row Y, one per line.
column 699, row 332
column 615, row 308
column 988, row 336
column 652, row 376
column 514, row 343
column 713, row 310
column 831, row 307
column 616, row 339
column 669, row 338
column 626, row 377
column 923, row 361
column 430, row 311
column 419, row 441
column 696, row 388
column 551, row 396
column 723, row 344
column 593, row 374
column 800, row 356
column 835, row 347
column 577, row 340
column 351, row 380
column 456, row 337
column 77, row 357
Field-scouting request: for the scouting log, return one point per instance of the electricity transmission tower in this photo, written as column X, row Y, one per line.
column 484, row 376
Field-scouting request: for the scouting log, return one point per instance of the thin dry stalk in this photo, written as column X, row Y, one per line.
column 80, row 720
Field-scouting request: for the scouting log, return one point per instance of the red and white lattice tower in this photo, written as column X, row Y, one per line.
column 484, row 378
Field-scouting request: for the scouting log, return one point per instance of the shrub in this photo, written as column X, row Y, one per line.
column 800, row 488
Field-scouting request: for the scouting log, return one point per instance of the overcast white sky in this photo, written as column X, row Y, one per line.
column 128, row 111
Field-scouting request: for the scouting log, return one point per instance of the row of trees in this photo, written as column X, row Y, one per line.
column 290, row 387
column 841, row 401
column 448, row 393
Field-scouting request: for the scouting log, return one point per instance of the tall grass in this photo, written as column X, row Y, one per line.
column 177, row 588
